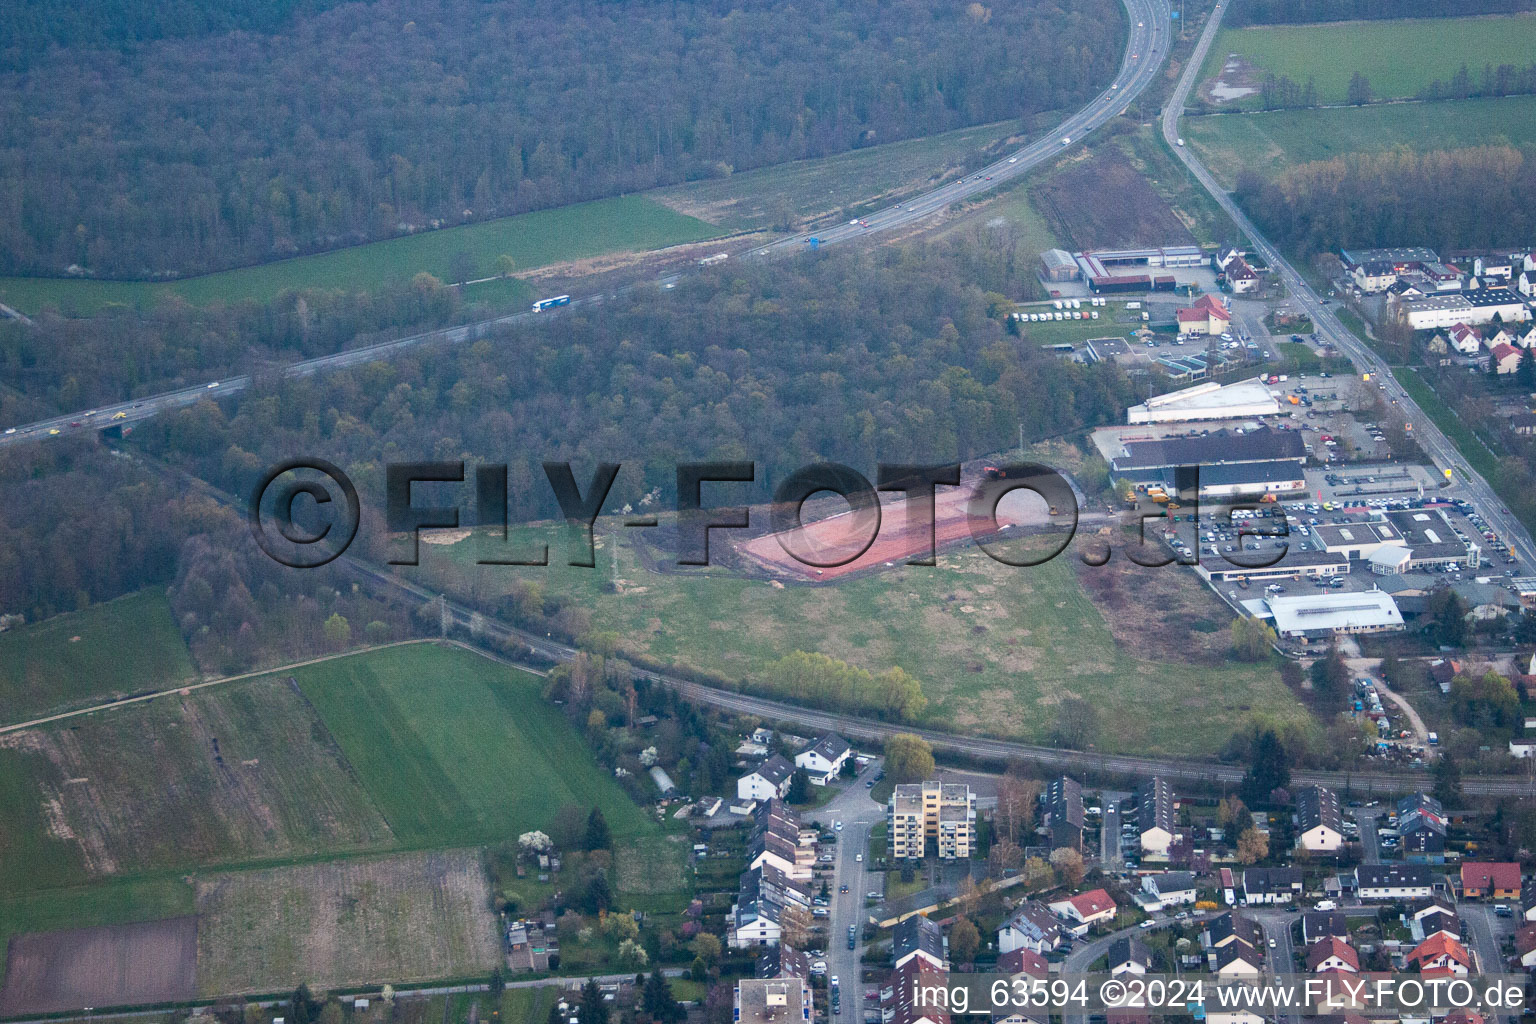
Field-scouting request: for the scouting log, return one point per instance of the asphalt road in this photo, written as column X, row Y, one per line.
column 859, row 814
column 1328, row 326
column 1144, row 54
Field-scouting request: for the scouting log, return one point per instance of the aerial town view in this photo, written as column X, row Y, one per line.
column 968, row 512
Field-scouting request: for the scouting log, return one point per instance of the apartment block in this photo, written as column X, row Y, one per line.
column 944, row 812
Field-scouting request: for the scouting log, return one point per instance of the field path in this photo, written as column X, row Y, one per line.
column 222, row 680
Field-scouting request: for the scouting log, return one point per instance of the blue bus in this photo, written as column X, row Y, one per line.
column 558, row 300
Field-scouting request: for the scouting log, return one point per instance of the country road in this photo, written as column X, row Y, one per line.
column 1146, row 48
column 1328, row 326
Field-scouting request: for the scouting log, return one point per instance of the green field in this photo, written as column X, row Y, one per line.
column 1269, row 143
column 1399, row 58
column 995, row 648
column 626, row 223
column 456, row 749
column 112, row 649
column 808, row 188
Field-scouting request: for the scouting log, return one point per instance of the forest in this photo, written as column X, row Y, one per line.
column 1299, row 12
column 61, row 363
column 29, row 27
column 180, row 156
column 898, row 355
column 1449, row 199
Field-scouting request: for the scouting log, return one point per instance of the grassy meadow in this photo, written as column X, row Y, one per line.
column 1270, row 142
column 1399, row 58
column 625, row 223
column 996, row 648
column 112, row 649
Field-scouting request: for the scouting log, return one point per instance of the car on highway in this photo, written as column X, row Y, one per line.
column 213, row 385
column 10, row 430
column 53, row 431
column 1013, row 159
column 842, row 888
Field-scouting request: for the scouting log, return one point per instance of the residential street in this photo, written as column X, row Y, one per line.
column 858, row 814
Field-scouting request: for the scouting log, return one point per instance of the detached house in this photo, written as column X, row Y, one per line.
column 767, row 781
column 1031, row 926
column 1170, row 888
column 823, row 759
column 1085, row 910
column 1129, row 955
column 1482, row 880
column 1440, row 954
column 1332, row 954
column 1505, row 358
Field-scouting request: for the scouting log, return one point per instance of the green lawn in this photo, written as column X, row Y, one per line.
column 806, row 188
column 995, row 648
column 456, row 749
column 1268, row 143
column 1399, row 58
column 531, row 239
column 112, row 649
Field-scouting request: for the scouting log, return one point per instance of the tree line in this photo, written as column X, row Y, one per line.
column 1479, row 198
column 1298, row 12
column 367, row 120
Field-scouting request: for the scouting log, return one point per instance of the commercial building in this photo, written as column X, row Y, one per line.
column 1376, row 270
column 1244, row 399
column 1294, row 563
column 942, row 811
column 1097, row 263
column 1472, row 307
column 1309, row 617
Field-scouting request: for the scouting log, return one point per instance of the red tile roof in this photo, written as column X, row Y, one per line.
column 1437, row 945
column 1484, row 875
column 1089, row 903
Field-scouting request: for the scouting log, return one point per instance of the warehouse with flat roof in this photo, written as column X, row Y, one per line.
column 1209, row 401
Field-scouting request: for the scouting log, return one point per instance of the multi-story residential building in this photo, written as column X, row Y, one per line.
column 1155, row 817
column 1064, row 813
column 942, row 811
column 1319, row 820
column 774, row 1001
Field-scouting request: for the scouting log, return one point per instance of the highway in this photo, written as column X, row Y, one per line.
column 1144, row 54
column 1328, row 326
